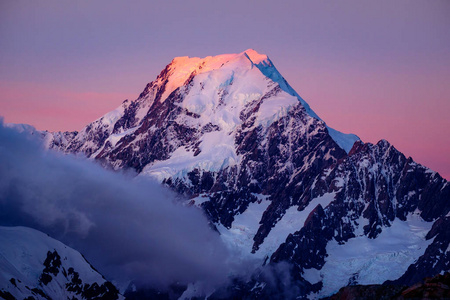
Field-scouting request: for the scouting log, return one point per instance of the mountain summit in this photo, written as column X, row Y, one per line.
column 230, row 134
column 211, row 94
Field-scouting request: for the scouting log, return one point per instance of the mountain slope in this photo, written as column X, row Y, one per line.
column 230, row 134
column 34, row 265
column 378, row 224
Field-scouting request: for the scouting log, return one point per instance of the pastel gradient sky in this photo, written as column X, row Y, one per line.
column 379, row 69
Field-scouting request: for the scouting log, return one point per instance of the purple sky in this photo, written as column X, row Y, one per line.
column 378, row 69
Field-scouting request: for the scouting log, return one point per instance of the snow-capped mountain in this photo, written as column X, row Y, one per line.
column 229, row 133
column 35, row 266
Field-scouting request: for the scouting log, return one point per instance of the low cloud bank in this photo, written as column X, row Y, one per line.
column 128, row 229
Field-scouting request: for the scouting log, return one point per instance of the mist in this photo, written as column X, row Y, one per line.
column 129, row 229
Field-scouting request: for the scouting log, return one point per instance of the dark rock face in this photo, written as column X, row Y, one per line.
column 6, row 295
column 369, row 292
column 52, row 265
column 437, row 287
column 312, row 238
column 105, row 291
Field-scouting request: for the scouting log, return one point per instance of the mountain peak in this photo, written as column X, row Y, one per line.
column 182, row 68
column 186, row 64
column 255, row 57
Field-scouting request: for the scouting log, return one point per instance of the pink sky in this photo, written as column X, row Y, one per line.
column 379, row 70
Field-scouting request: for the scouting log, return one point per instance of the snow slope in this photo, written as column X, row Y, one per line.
column 373, row 261
column 33, row 264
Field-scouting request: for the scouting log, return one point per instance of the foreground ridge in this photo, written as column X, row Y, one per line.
column 33, row 265
column 436, row 287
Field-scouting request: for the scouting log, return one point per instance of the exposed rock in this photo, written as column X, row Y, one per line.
column 437, row 287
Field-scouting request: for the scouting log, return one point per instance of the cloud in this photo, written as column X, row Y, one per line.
column 128, row 229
